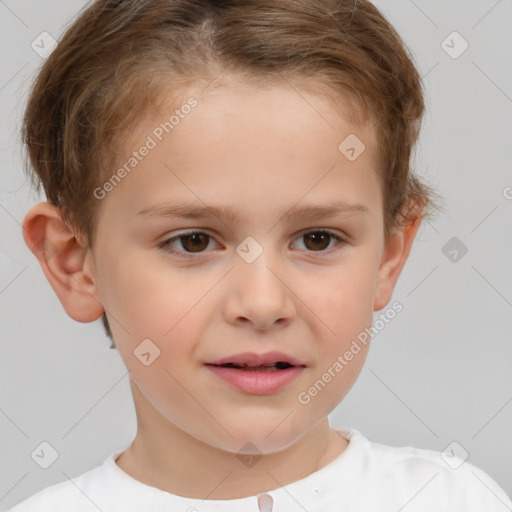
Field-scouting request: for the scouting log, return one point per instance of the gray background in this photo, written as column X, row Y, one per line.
column 439, row 372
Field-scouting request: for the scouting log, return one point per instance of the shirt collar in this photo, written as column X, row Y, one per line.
column 334, row 483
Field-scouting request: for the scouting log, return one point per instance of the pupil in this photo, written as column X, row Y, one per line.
column 316, row 238
column 196, row 244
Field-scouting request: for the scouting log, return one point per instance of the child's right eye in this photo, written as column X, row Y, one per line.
column 195, row 241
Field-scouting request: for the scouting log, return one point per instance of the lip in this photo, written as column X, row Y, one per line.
column 257, row 382
column 254, row 359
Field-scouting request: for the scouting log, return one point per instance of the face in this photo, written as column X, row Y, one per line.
column 276, row 275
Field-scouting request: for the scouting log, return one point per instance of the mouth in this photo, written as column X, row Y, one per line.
column 269, row 361
column 280, row 365
column 258, row 374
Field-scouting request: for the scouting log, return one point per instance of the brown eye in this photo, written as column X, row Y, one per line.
column 195, row 242
column 191, row 243
column 317, row 240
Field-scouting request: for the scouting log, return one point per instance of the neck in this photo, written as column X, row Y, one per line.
column 165, row 456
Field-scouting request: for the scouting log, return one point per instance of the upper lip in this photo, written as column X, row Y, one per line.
column 253, row 359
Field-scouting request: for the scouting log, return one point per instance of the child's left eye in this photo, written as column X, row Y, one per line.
column 195, row 242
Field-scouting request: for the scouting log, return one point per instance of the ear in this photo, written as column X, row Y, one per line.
column 395, row 254
column 66, row 262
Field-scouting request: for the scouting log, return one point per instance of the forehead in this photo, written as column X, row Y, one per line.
column 242, row 144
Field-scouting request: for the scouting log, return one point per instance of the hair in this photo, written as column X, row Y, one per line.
column 118, row 58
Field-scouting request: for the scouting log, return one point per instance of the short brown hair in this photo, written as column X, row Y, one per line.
column 119, row 56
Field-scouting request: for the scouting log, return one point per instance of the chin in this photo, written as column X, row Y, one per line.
column 259, row 438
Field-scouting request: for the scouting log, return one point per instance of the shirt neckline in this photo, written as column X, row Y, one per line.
column 323, row 484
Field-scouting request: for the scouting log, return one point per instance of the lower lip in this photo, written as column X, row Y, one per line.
column 257, row 383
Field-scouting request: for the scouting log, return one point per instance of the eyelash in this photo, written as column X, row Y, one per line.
column 166, row 244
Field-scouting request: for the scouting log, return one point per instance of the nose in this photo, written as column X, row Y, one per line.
column 260, row 294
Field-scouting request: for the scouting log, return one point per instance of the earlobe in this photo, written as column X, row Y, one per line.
column 64, row 262
column 395, row 254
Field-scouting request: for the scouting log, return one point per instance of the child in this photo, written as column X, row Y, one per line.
column 257, row 128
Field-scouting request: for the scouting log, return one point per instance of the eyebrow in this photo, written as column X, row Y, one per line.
column 197, row 211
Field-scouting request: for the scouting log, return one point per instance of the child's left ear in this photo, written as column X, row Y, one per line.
column 394, row 256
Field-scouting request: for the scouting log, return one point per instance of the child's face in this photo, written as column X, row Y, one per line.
column 260, row 154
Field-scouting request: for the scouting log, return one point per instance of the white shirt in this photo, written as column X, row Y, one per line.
column 366, row 477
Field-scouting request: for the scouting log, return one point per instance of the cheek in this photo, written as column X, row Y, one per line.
column 342, row 300
column 167, row 310
column 149, row 299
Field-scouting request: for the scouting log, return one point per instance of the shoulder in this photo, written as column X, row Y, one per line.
column 79, row 494
column 55, row 497
column 429, row 478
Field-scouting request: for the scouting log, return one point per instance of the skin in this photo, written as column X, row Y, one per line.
column 260, row 151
